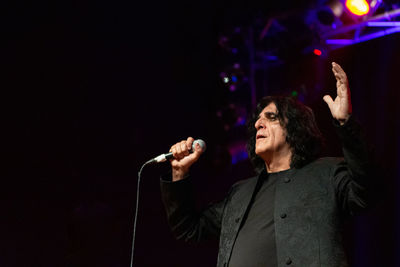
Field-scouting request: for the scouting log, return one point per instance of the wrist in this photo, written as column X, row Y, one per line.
column 178, row 175
column 343, row 121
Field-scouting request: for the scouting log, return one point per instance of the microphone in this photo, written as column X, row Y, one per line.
column 167, row 156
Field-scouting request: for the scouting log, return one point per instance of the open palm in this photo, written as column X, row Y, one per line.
column 340, row 108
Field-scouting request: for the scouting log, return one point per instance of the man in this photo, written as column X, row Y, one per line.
column 292, row 212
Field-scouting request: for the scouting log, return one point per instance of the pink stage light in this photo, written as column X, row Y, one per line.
column 358, row 7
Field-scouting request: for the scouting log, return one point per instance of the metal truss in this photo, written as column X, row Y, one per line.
column 371, row 28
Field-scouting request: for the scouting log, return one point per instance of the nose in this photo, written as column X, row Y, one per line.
column 259, row 124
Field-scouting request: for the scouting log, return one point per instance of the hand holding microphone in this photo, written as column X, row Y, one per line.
column 185, row 153
column 182, row 155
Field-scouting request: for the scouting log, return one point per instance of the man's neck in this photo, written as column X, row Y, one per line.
column 277, row 163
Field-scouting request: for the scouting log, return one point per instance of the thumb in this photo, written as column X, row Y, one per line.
column 198, row 150
column 328, row 100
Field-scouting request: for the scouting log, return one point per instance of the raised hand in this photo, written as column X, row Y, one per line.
column 340, row 108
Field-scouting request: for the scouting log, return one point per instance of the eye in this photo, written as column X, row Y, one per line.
column 271, row 116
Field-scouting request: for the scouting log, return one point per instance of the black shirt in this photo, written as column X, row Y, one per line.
column 255, row 244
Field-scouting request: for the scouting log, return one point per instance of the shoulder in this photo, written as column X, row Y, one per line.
column 241, row 184
column 321, row 167
column 324, row 162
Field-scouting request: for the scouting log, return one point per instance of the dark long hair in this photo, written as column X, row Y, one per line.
column 302, row 133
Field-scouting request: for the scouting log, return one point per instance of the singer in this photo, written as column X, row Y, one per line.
column 291, row 213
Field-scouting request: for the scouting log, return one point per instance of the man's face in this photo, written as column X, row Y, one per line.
column 270, row 137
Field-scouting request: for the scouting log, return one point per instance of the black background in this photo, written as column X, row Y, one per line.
column 92, row 90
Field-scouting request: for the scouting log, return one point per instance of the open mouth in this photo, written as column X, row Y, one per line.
column 259, row 136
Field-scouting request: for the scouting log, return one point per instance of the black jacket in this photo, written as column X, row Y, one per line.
column 310, row 205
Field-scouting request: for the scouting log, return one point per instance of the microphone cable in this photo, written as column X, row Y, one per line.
column 161, row 158
column 136, row 211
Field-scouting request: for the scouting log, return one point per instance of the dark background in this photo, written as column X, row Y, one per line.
column 92, row 90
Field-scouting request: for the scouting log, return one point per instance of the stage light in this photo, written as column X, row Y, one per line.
column 330, row 13
column 358, row 7
column 233, row 77
column 317, row 52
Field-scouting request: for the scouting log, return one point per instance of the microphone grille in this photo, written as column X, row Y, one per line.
column 201, row 143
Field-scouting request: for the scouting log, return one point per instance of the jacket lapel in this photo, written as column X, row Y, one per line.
column 236, row 211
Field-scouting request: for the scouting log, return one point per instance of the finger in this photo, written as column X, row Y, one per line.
column 342, row 77
column 338, row 77
column 189, row 142
column 197, row 151
column 339, row 74
column 173, row 150
column 184, row 148
column 336, row 74
column 337, row 69
column 178, row 149
column 198, row 148
column 328, row 100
